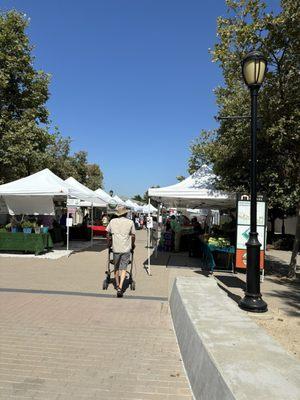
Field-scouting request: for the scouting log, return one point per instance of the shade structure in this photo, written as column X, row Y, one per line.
column 40, row 187
column 30, row 205
column 105, row 196
column 196, row 191
column 119, row 201
column 138, row 208
column 149, row 209
column 91, row 197
column 129, row 204
column 42, row 183
column 134, row 206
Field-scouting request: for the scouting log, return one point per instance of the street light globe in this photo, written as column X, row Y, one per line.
column 254, row 66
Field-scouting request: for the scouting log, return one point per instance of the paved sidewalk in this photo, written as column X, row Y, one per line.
column 62, row 337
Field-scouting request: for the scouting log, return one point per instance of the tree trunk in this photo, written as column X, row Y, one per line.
column 296, row 247
column 272, row 225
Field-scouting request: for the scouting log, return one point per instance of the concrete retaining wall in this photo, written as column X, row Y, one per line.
column 227, row 355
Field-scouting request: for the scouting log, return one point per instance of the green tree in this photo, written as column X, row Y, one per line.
column 94, row 177
column 23, row 93
column 138, row 197
column 26, row 145
column 249, row 26
column 180, row 178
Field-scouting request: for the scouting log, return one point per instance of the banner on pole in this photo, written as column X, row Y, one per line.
column 149, row 222
column 243, row 229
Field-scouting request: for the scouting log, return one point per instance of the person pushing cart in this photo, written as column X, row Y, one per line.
column 121, row 238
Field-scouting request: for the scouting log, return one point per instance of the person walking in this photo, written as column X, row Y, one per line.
column 176, row 228
column 121, row 237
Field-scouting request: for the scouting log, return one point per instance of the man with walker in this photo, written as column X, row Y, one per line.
column 121, row 237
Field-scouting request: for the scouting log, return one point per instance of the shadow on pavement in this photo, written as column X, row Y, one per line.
column 204, row 273
column 290, row 300
column 84, row 294
column 231, row 281
column 233, row 296
column 162, row 259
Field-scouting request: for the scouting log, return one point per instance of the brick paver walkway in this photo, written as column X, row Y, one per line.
column 61, row 337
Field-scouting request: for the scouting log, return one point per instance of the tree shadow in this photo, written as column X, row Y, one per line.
column 290, row 301
column 276, row 267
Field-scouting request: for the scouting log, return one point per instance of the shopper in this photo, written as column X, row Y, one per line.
column 121, row 237
column 176, row 228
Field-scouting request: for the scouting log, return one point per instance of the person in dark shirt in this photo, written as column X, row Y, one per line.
column 63, row 226
column 198, row 230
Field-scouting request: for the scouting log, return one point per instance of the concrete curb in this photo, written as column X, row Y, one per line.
column 226, row 355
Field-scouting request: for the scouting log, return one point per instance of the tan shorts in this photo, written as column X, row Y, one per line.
column 121, row 260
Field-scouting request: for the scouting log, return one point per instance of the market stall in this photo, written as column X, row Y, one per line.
column 119, row 201
column 25, row 242
column 36, row 195
column 198, row 192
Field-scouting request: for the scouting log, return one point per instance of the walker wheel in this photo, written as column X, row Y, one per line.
column 105, row 285
column 132, row 285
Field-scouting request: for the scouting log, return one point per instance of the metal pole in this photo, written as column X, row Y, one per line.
column 92, row 232
column 67, row 224
column 148, row 240
column 253, row 300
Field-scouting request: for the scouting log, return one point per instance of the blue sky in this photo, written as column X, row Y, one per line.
column 132, row 80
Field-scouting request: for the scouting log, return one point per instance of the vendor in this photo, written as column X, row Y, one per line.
column 198, row 230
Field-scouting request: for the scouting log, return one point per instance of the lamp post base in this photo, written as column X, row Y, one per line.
column 253, row 303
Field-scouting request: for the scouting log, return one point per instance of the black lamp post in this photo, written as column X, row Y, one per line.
column 254, row 66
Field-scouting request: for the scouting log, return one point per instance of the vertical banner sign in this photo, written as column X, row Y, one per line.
column 243, row 229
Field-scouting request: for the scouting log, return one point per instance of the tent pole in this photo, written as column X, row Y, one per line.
column 148, row 237
column 92, row 233
column 67, row 223
column 158, row 230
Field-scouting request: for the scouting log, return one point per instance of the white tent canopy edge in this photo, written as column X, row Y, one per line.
column 196, row 191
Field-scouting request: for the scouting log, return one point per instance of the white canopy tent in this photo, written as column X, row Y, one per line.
column 138, row 208
column 149, row 209
column 196, row 191
column 105, row 196
column 119, row 201
column 34, row 194
column 129, row 204
column 134, row 206
column 92, row 198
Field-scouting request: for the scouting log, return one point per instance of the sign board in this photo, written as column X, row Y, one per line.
column 149, row 222
column 243, row 229
column 69, row 221
column 160, row 219
column 73, row 202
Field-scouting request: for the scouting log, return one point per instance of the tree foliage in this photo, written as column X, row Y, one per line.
column 138, row 197
column 249, row 26
column 26, row 143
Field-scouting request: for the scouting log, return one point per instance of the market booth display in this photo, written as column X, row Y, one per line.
column 198, row 191
column 38, row 196
column 96, row 201
column 35, row 243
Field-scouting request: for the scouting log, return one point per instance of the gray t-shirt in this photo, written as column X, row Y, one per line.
column 121, row 230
